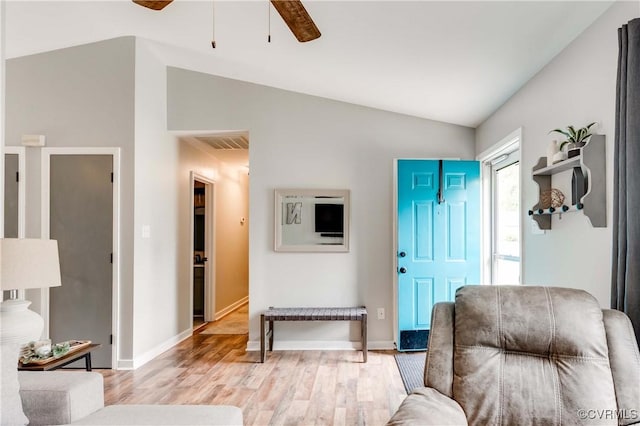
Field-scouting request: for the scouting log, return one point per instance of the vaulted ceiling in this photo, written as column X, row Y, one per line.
column 452, row 61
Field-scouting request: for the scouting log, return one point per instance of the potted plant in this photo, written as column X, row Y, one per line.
column 576, row 138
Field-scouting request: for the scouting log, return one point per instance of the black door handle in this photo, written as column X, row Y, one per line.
column 403, row 270
column 402, row 254
column 441, row 183
column 204, row 259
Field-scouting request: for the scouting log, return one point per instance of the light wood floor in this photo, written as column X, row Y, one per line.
column 290, row 388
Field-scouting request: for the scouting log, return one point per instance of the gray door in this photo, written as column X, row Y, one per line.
column 11, row 195
column 10, row 199
column 81, row 219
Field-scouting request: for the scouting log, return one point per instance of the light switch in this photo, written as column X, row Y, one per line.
column 146, row 231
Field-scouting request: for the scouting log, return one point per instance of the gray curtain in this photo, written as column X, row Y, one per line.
column 625, row 286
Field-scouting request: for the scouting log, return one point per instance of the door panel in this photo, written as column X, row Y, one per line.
column 423, row 229
column 462, row 196
column 424, row 296
column 456, row 229
column 10, row 195
column 81, row 219
column 454, row 284
column 440, row 240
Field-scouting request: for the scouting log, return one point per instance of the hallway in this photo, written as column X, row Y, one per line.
column 237, row 322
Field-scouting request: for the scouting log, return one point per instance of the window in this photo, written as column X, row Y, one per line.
column 505, row 218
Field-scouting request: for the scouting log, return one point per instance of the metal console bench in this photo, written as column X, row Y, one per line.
column 311, row 314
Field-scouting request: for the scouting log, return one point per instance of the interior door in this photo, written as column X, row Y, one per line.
column 438, row 240
column 11, row 194
column 81, row 219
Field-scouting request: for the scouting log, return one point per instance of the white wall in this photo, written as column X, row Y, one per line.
column 232, row 236
column 161, row 286
column 81, row 96
column 300, row 141
column 113, row 94
column 163, row 311
column 577, row 87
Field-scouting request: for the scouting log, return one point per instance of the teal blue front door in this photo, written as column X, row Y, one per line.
column 438, row 240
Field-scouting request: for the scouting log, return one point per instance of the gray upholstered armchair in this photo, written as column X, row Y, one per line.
column 516, row 355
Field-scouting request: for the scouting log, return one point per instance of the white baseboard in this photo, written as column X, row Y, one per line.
column 232, row 307
column 141, row 360
column 254, row 345
column 132, row 364
column 125, row 364
column 321, row 345
column 381, row 345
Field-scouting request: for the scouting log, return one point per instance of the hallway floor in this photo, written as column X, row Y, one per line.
column 237, row 322
column 291, row 387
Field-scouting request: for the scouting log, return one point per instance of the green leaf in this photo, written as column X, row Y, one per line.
column 573, row 135
column 559, row 131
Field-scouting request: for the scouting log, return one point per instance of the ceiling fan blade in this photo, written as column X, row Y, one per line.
column 296, row 17
column 153, row 4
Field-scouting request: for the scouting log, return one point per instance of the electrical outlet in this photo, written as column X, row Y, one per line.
column 380, row 313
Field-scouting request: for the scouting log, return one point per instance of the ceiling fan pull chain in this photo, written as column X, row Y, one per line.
column 269, row 20
column 213, row 25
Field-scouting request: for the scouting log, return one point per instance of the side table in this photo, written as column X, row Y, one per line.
column 63, row 360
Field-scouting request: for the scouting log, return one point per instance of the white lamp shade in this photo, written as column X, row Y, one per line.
column 29, row 263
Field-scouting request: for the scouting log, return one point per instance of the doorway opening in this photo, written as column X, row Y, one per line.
column 220, row 178
column 203, row 287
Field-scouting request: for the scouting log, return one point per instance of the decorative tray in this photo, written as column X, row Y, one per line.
column 74, row 345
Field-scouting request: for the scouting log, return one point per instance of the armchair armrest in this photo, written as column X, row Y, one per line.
column 59, row 397
column 427, row 406
column 624, row 358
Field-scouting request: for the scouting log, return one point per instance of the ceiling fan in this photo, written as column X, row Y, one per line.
column 292, row 12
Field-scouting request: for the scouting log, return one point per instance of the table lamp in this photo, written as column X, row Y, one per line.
column 24, row 264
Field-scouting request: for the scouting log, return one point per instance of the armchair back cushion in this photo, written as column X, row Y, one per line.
column 530, row 352
column 438, row 371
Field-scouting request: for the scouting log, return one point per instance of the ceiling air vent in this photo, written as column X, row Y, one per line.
column 225, row 142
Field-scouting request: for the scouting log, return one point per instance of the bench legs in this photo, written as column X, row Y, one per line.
column 262, row 331
column 263, row 335
column 268, row 333
column 363, row 336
